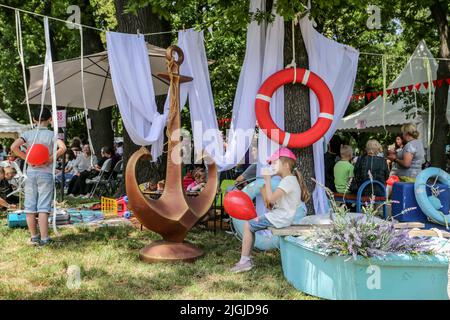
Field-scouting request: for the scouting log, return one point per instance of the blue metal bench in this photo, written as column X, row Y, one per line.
column 359, row 198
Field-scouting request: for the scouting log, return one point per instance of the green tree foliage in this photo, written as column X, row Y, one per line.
column 403, row 25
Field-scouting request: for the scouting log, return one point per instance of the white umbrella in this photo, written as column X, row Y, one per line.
column 97, row 80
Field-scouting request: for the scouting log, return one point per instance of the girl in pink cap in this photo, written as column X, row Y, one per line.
column 282, row 203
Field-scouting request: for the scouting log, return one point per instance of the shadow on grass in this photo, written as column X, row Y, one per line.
column 124, row 276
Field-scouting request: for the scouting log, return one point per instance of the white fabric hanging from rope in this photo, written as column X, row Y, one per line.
column 48, row 72
column 205, row 129
column 243, row 120
column 132, row 81
column 336, row 64
column 273, row 62
column 201, row 100
column 22, row 61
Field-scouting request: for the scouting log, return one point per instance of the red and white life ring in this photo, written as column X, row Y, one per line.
column 309, row 79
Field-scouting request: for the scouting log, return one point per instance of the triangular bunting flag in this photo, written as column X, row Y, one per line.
column 434, row 83
column 368, row 95
column 410, row 87
column 403, row 89
column 448, row 81
column 374, row 94
column 380, row 93
column 417, row 86
column 425, row 84
column 389, row 91
column 395, row 90
column 439, row 82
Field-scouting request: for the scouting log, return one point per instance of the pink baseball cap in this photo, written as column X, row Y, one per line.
column 282, row 152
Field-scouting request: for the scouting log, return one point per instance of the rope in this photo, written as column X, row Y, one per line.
column 397, row 56
column 293, row 63
column 171, row 31
column 84, row 97
column 22, row 61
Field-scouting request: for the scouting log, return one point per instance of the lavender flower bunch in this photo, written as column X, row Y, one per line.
column 366, row 237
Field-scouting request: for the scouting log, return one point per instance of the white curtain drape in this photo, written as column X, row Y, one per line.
column 336, row 64
column 273, row 62
column 205, row 129
column 133, row 87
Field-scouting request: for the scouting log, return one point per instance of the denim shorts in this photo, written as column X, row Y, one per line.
column 38, row 192
column 261, row 224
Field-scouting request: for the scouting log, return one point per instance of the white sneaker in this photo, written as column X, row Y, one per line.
column 242, row 267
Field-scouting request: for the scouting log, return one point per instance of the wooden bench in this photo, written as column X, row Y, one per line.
column 308, row 229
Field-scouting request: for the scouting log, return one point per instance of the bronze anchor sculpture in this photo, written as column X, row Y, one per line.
column 173, row 214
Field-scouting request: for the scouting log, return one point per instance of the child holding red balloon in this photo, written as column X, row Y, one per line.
column 39, row 183
column 283, row 202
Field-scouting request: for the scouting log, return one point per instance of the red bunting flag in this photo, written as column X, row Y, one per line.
column 425, row 84
column 395, row 90
column 410, row 87
column 403, row 89
column 374, row 94
column 389, row 91
column 417, row 86
column 380, row 93
column 439, row 82
column 368, row 95
column 448, row 81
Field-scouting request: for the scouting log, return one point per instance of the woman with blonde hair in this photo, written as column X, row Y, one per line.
column 370, row 166
column 409, row 162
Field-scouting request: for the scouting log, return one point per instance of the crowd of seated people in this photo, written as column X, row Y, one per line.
column 85, row 165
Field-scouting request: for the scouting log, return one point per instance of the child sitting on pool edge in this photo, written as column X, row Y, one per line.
column 285, row 200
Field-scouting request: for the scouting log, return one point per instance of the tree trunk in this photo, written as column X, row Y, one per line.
column 146, row 22
column 296, row 105
column 441, row 125
column 102, row 133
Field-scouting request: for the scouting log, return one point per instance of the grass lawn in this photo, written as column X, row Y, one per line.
column 111, row 269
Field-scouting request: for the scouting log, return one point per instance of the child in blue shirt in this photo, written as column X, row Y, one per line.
column 39, row 185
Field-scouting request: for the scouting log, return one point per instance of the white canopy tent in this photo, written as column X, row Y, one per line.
column 9, row 128
column 374, row 119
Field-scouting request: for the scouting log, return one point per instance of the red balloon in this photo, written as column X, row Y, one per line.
column 37, row 154
column 392, row 180
column 239, row 205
